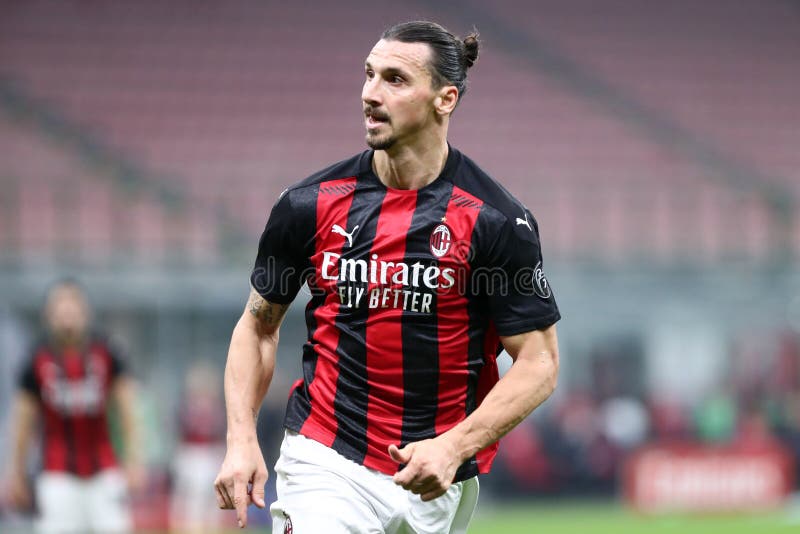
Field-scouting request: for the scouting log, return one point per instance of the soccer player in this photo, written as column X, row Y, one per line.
column 420, row 267
column 68, row 383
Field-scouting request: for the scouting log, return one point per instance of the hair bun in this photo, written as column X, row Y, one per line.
column 471, row 45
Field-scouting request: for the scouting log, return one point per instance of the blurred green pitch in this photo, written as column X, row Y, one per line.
column 570, row 517
column 612, row 518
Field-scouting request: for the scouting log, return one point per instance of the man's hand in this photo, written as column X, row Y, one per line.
column 136, row 475
column 243, row 465
column 431, row 465
column 19, row 491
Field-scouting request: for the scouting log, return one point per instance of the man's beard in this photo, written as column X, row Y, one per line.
column 378, row 143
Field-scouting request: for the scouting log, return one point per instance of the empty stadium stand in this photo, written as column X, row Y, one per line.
column 680, row 157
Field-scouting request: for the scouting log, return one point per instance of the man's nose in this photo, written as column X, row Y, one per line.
column 370, row 93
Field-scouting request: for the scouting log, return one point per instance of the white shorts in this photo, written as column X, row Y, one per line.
column 70, row 504
column 321, row 491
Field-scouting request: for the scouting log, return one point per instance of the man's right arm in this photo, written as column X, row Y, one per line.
column 26, row 410
column 248, row 372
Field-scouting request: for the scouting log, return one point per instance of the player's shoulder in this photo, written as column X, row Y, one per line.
column 37, row 353
column 298, row 201
column 99, row 340
column 38, row 348
column 498, row 202
column 346, row 168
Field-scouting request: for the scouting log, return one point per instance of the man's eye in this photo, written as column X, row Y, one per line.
column 369, row 74
column 397, row 79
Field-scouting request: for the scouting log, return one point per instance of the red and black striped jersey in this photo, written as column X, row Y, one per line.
column 410, row 290
column 73, row 386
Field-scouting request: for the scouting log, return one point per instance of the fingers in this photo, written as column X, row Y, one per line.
column 427, row 487
column 221, row 502
column 420, row 475
column 257, row 493
column 240, row 499
column 223, row 498
column 401, row 456
column 409, row 476
column 232, row 493
column 431, row 495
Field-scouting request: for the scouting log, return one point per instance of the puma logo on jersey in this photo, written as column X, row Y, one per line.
column 524, row 222
column 336, row 229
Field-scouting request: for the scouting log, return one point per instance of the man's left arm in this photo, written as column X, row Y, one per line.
column 431, row 464
column 124, row 394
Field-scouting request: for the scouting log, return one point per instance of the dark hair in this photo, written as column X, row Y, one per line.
column 68, row 282
column 451, row 56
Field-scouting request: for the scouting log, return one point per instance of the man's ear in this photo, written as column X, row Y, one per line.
column 445, row 102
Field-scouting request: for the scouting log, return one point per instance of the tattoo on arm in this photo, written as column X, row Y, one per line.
column 266, row 312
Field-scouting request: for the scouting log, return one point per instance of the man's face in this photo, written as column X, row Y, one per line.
column 67, row 313
column 398, row 93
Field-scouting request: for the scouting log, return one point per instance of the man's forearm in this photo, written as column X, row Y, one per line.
column 124, row 391
column 528, row 383
column 24, row 418
column 19, row 456
column 248, row 373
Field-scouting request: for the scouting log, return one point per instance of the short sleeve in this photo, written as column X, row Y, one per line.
column 27, row 379
column 278, row 272
column 512, row 280
column 118, row 365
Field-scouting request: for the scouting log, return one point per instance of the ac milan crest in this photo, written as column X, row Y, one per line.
column 541, row 285
column 287, row 526
column 441, row 239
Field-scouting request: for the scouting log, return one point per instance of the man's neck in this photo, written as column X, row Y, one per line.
column 63, row 343
column 410, row 167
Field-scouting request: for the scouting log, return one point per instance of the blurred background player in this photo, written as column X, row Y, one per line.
column 202, row 448
column 67, row 384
